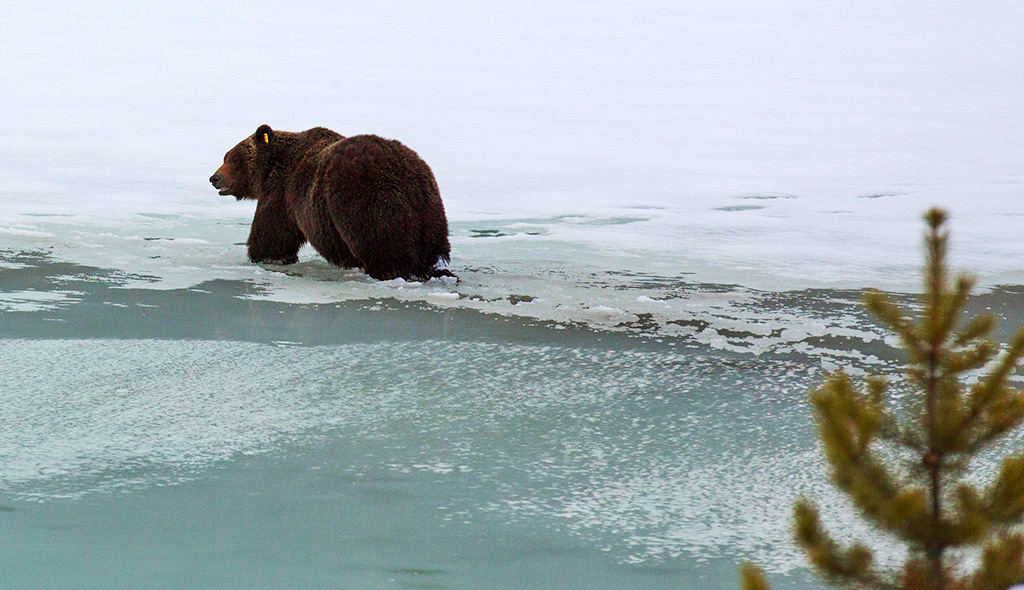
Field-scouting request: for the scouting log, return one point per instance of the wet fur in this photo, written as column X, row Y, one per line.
column 361, row 201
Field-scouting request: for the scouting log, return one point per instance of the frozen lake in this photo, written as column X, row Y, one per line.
column 662, row 215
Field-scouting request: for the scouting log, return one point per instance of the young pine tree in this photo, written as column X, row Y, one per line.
column 906, row 471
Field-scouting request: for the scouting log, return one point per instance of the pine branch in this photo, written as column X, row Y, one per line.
column 1005, row 502
column 752, row 578
column 842, row 566
column 848, row 421
column 992, row 407
column 952, row 305
column 890, row 315
column 980, row 326
column 1002, row 564
column 971, row 358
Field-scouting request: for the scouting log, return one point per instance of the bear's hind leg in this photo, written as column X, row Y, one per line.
column 385, row 260
column 335, row 251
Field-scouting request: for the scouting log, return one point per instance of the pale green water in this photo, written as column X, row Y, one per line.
column 193, row 439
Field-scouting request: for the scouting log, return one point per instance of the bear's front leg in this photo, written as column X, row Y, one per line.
column 274, row 238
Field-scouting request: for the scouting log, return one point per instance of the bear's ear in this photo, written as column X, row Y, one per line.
column 264, row 135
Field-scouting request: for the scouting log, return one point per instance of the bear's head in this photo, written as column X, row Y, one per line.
column 245, row 165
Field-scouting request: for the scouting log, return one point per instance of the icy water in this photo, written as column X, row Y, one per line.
column 193, row 438
column 207, row 438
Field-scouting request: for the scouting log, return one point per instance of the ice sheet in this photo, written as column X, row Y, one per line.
column 770, row 146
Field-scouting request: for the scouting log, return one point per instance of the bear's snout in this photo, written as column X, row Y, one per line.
column 221, row 183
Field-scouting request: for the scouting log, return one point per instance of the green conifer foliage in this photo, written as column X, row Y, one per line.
column 905, row 470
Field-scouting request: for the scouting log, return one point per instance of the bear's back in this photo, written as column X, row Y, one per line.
column 384, row 200
column 374, row 167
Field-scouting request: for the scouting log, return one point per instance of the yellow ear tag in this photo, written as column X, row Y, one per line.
column 266, row 138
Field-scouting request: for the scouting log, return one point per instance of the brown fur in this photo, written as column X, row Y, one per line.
column 361, row 201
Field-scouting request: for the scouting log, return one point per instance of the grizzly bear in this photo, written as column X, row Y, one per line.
column 361, row 201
